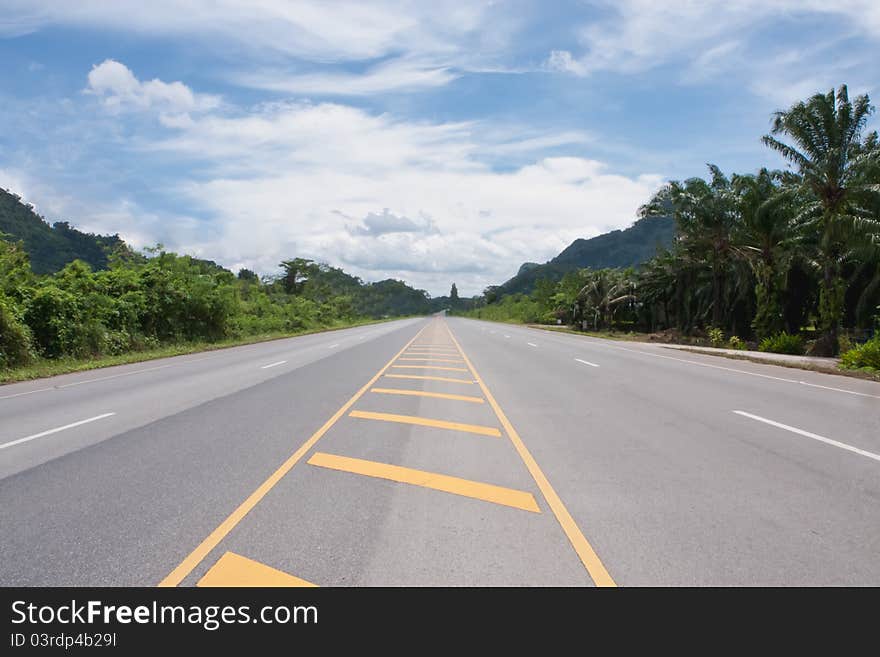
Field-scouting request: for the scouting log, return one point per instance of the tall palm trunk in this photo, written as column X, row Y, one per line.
column 831, row 298
column 717, row 288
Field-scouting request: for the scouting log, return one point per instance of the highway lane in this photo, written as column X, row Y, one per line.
column 442, row 451
column 141, row 393
column 670, row 484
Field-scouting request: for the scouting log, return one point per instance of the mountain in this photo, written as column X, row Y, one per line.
column 51, row 247
column 619, row 248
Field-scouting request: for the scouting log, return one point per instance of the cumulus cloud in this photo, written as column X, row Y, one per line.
column 118, row 88
column 287, row 176
column 375, row 224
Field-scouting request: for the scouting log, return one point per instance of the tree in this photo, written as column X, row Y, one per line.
column 453, row 294
column 706, row 216
column 833, row 161
column 764, row 239
column 296, row 273
column 606, row 290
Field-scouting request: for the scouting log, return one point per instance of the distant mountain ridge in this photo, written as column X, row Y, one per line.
column 50, row 247
column 619, row 248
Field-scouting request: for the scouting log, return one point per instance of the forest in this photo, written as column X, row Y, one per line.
column 143, row 301
column 781, row 260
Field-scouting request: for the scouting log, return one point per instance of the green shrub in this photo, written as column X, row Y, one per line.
column 15, row 337
column 783, row 343
column 54, row 318
column 716, row 337
column 864, row 355
column 736, row 343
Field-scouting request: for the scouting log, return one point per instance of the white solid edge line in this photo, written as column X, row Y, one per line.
column 586, row 362
column 801, row 432
column 56, row 430
column 333, row 346
column 266, row 367
column 593, row 341
column 116, row 376
column 531, row 344
column 852, row 392
column 29, row 392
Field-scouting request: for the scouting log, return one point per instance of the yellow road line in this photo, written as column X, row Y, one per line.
column 433, row 360
column 430, row 367
column 427, row 422
column 581, row 545
column 235, row 570
column 438, row 352
column 195, row 557
column 425, row 393
column 488, row 492
column 429, row 378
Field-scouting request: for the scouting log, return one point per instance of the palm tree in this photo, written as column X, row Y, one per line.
column 604, row 292
column 706, row 216
column 765, row 239
column 832, row 159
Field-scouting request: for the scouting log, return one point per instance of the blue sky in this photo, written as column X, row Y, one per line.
column 432, row 142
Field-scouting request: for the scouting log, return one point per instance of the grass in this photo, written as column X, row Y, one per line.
column 45, row 367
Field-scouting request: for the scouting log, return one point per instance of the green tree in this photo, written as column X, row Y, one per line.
column 605, row 292
column 706, row 216
column 297, row 273
column 765, row 238
column 835, row 164
column 15, row 336
column 15, row 270
column 453, row 294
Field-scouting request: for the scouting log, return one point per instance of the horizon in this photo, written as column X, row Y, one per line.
column 392, row 143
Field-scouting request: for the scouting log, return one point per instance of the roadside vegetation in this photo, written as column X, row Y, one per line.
column 157, row 303
column 782, row 260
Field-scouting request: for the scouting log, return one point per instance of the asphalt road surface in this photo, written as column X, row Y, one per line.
column 441, row 452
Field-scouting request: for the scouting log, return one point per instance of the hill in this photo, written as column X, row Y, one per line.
column 619, row 248
column 51, row 246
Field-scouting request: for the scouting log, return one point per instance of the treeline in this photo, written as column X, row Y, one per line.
column 50, row 247
column 788, row 259
column 142, row 301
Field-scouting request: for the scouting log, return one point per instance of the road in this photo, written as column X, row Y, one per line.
column 441, row 451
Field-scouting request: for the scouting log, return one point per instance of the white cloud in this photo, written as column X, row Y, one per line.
column 638, row 35
column 14, row 181
column 717, row 39
column 320, row 30
column 118, row 88
column 287, row 179
column 387, row 223
column 715, row 60
column 562, row 61
column 395, row 75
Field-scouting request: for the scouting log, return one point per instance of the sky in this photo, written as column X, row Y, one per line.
column 433, row 142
